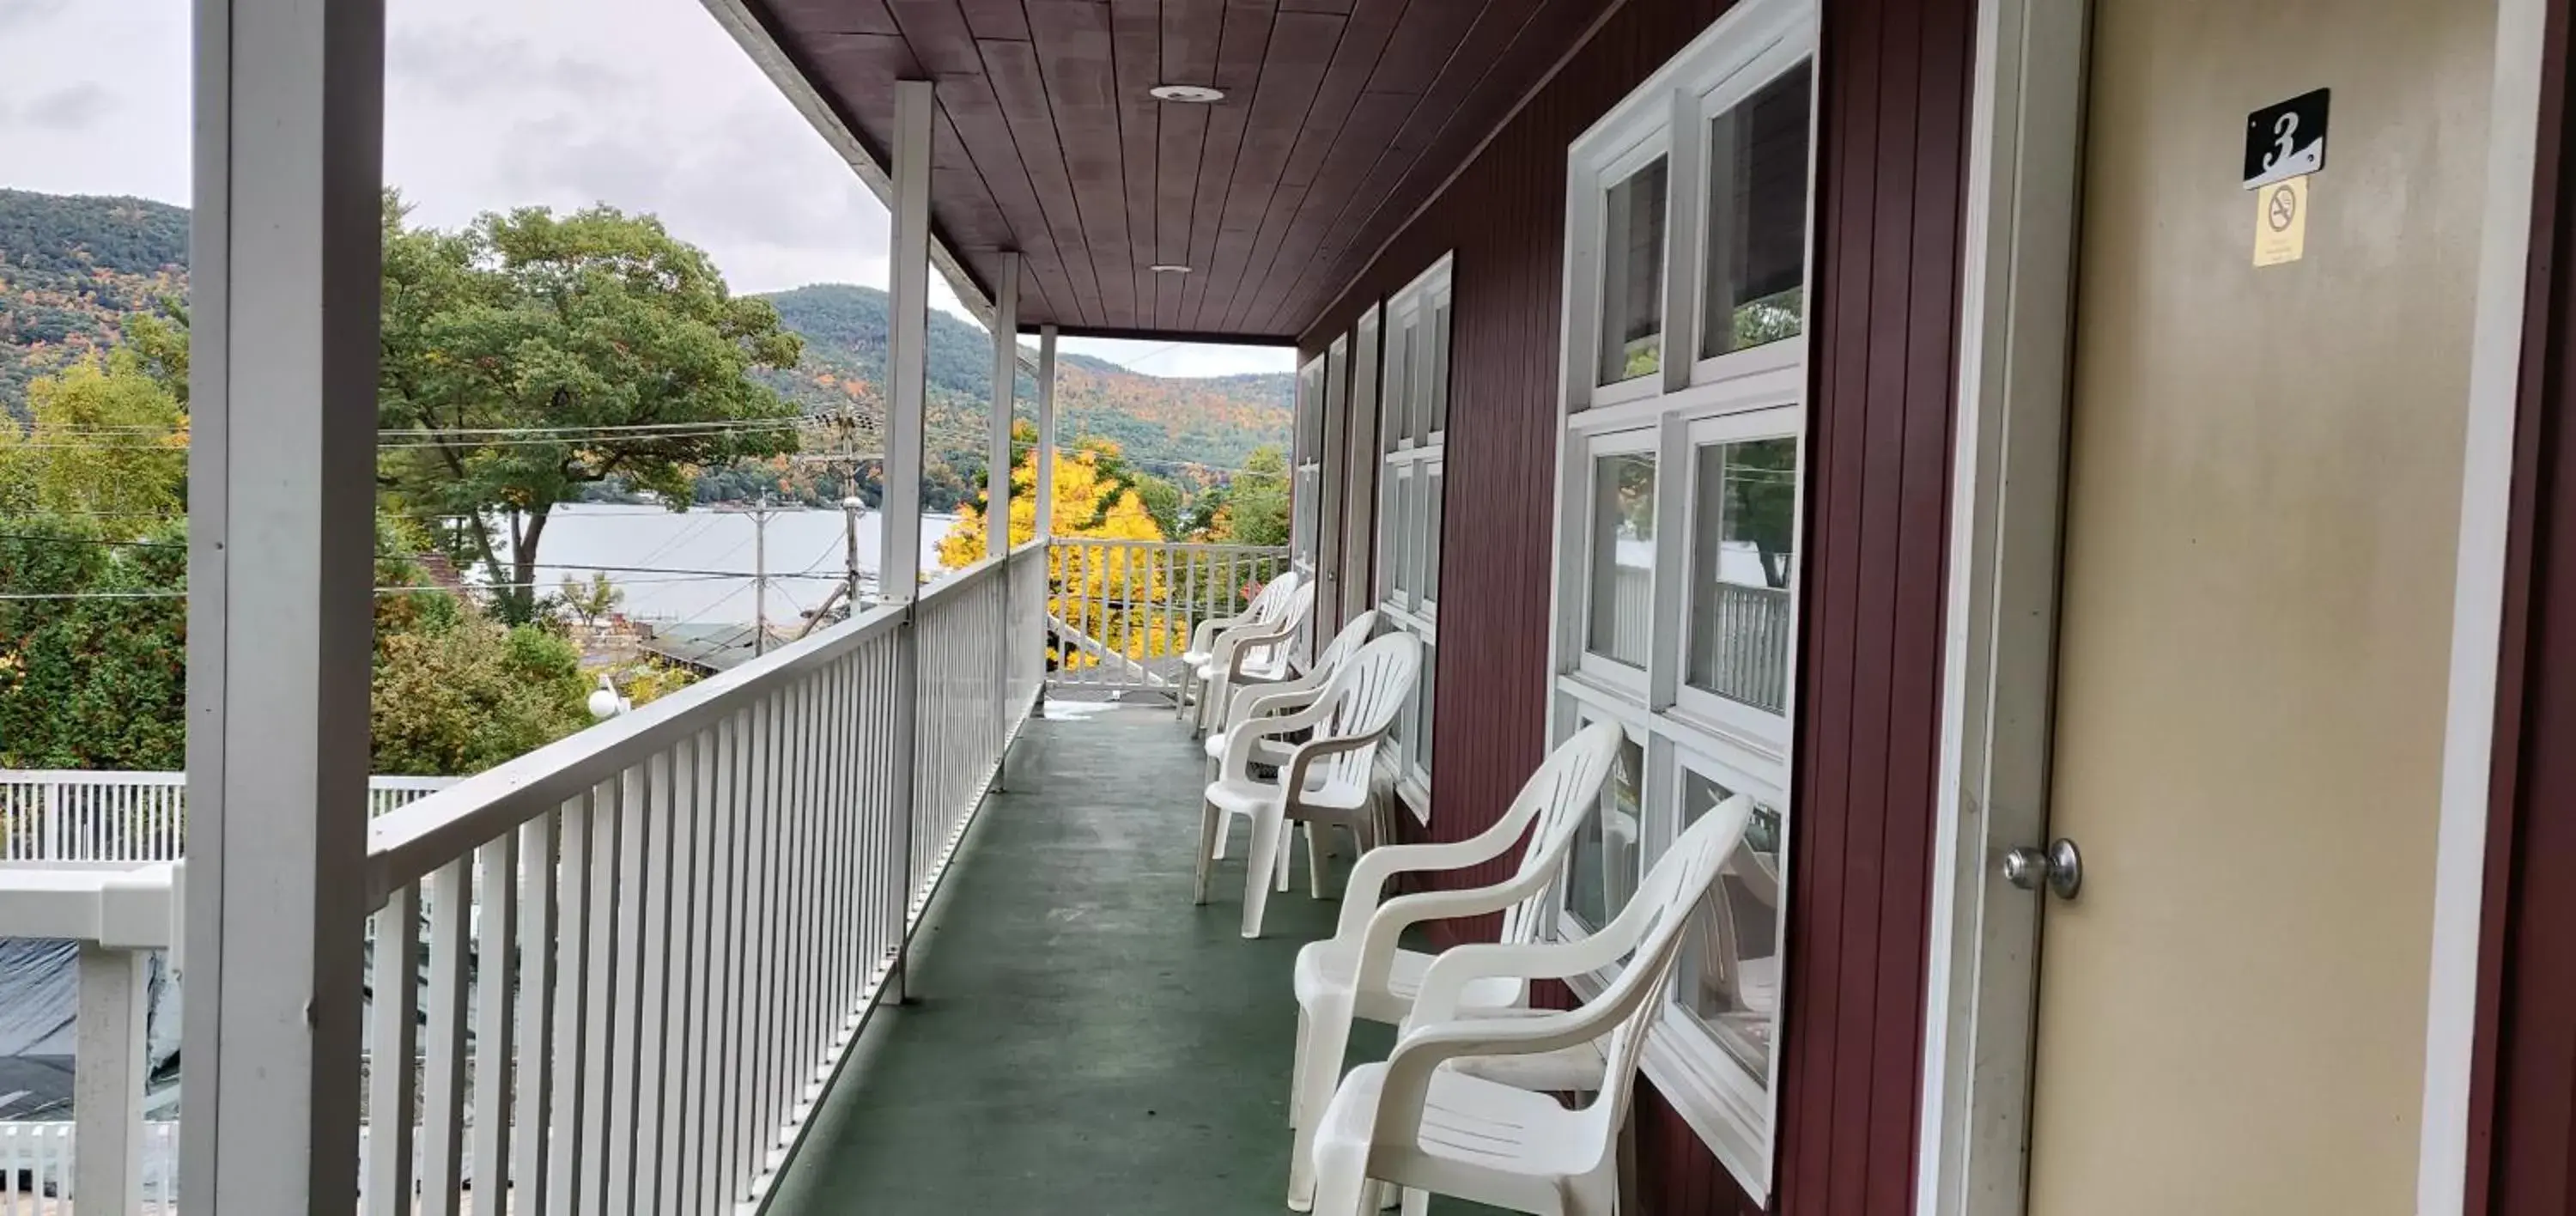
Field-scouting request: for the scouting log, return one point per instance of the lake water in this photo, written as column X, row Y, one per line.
column 648, row 547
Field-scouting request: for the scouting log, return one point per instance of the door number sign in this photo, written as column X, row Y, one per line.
column 2286, row 140
column 2284, row 144
column 2281, row 222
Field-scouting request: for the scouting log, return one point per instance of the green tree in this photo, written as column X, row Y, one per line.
column 1255, row 507
column 593, row 598
column 92, row 675
column 501, row 339
column 106, row 441
column 460, row 700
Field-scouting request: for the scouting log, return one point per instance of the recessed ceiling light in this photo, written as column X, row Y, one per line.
column 1168, row 268
column 1191, row 93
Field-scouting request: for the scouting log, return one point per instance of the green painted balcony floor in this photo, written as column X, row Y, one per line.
column 1081, row 1039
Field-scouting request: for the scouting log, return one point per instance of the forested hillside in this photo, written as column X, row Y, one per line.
column 72, row 268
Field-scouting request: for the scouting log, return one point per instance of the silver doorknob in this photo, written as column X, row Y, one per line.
column 2059, row 866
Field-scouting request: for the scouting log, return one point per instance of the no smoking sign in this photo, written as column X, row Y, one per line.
column 2281, row 222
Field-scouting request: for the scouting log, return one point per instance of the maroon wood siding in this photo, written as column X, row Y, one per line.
column 1894, row 81
column 2522, row 1134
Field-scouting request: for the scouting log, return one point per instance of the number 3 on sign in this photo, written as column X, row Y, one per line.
column 2285, row 143
column 2281, row 222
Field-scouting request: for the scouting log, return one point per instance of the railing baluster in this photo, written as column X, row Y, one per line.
column 495, row 935
column 680, row 981
column 599, row 999
column 536, row 1097
column 713, row 1064
column 770, row 961
column 573, row 964
column 625, row 1079
column 443, row 1049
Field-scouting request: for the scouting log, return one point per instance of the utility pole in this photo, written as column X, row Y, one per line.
column 759, row 571
column 760, row 578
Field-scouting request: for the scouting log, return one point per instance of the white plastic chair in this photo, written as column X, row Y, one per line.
column 1259, row 700
column 1360, row 971
column 1253, row 654
column 1411, row 1122
column 1271, row 600
column 1325, row 782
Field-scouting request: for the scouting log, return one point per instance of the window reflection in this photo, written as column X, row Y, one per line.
column 1743, row 530
column 1757, row 208
column 1731, row 975
column 1632, row 288
column 1623, row 556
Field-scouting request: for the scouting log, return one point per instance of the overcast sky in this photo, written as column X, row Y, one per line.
column 644, row 104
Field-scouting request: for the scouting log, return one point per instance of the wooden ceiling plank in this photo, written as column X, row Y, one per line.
column 810, row 18
column 1182, row 137
column 1136, row 29
column 1364, row 38
column 1483, row 78
column 1300, row 51
column 1075, row 52
column 996, row 19
column 1020, row 89
column 1241, row 49
column 977, row 117
column 1191, row 31
column 939, row 36
column 1372, row 125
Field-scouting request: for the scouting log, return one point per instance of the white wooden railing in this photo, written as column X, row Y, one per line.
column 66, row 815
column 627, row 966
column 1122, row 610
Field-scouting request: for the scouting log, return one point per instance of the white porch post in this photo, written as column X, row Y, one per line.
column 1046, row 433
column 899, row 553
column 1006, row 377
column 997, row 493
column 107, row 1087
column 285, row 260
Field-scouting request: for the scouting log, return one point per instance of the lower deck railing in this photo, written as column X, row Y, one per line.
column 69, row 815
column 1121, row 611
column 624, row 968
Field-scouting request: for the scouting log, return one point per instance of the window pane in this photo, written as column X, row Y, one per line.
column 1757, row 232
column 1390, row 531
column 1439, row 360
column 1402, row 559
column 1744, row 525
column 1431, row 539
column 1623, row 555
column 1604, row 862
column 1399, row 385
column 1731, row 972
column 1632, row 285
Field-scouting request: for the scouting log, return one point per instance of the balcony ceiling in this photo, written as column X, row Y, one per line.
column 1340, row 118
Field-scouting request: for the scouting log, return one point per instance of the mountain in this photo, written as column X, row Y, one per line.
column 1170, row 425
column 73, row 267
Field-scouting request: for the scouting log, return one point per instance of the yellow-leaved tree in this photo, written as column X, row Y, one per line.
column 1116, row 597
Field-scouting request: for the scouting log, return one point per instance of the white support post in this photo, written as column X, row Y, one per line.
column 1006, row 377
column 1046, row 433
column 107, row 1087
column 997, row 488
column 899, row 512
column 899, row 552
column 285, row 264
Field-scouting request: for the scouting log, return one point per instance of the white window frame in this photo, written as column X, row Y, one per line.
column 1746, row 394
column 1306, row 470
column 1415, row 364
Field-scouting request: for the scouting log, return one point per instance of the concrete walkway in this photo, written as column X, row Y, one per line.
column 1083, row 1040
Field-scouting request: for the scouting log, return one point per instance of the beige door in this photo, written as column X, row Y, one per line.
column 2262, row 498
